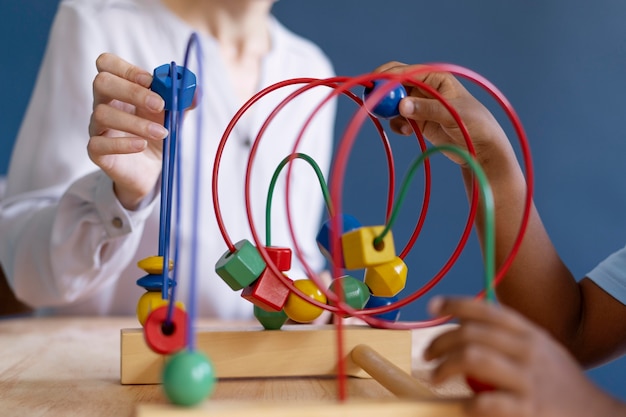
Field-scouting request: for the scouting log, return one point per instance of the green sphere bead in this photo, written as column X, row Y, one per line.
column 188, row 378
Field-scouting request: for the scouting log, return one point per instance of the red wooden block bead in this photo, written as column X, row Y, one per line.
column 281, row 257
column 162, row 337
column 267, row 292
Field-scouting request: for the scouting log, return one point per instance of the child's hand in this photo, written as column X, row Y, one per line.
column 533, row 376
column 126, row 128
column 434, row 120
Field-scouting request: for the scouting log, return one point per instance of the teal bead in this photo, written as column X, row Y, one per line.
column 270, row 320
column 188, row 378
column 355, row 292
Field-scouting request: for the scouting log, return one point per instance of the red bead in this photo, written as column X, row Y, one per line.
column 478, row 386
column 267, row 292
column 162, row 337
column 281, row 257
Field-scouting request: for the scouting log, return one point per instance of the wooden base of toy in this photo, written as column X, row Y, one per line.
column 356, row 408
column 295, row 350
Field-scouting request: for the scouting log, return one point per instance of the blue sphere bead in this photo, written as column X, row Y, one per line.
column 375, row 302
column 188, row 378
column 388, row 106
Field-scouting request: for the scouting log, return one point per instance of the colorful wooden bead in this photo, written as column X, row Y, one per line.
column 281, row 257
column 389, row 105
column 270, row 320
column 355, row 292
column 241, row 268
column 359, row 250
column 388, row 279
column 154, row 282
column 267, row 292
column 164, row 81
column 323, row 237
column 166, row 337
column 300, row 310
column 188, row 378
column 374, row 302
column 478, row 386
column 149, row 302
column 154, row 264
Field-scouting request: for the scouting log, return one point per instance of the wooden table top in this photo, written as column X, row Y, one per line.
column 71, row 367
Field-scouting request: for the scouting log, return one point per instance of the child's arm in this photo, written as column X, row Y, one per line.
column 538, row 284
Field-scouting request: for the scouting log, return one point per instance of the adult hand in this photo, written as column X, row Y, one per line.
column 532, row 375
column 126, row 129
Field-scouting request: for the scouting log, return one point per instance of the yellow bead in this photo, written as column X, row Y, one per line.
column 302, row 311
column 359, row 251
column 388, row 279
column 153, row 264
column 149, row 302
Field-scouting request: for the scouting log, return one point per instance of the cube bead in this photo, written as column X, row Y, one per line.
column 241, row 268
column 323, row 238
column 359, row 250
column 267, row 292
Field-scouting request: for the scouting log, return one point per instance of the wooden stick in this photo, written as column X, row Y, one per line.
column 389, row 375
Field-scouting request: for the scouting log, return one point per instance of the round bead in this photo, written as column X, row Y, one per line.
column 149, row 302
column 355, row 292
column 188, row 378
column 300, row 310
column 375, row 302
column 388, row 106
column 166, row 338
column 478, row 386
column 270, row 320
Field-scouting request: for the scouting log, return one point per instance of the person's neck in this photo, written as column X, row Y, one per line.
column 239, row 26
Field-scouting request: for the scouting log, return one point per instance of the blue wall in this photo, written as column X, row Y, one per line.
column 560, row 64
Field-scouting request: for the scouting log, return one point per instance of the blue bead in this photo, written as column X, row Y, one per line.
column 388, row 106
column 374, row 302
column 348, row 223
column 162, row 85
column 153, row 282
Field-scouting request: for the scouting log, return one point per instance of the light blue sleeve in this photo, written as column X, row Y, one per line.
column 610, row 275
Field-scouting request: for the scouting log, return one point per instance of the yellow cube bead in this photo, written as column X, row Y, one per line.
column 154, row 264
column 359, row 250
column 300, row 310
column 149, row 302
column 388, row 279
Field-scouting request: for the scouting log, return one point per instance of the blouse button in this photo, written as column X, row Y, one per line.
column 117, row 222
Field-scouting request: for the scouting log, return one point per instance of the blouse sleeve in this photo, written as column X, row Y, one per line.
column 64, row 234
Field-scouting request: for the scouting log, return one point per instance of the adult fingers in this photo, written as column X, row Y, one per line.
column 119, row 80
column 105, row 117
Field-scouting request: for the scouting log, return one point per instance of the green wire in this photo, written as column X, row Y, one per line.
column 270, row 193
column 487, row 195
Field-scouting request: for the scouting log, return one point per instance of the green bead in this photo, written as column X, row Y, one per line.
column 271, row 320
column 355, row 292
column 241, row 268
column 188, row 378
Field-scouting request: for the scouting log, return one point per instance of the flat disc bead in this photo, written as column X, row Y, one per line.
column 188, row 378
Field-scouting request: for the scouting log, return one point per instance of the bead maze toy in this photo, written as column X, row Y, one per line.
column 187, row 361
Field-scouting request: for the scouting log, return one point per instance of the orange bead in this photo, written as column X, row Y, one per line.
column 149, row 302
column 359, row 250
column 300, row 310
column 153, row 264
column 388, row 279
